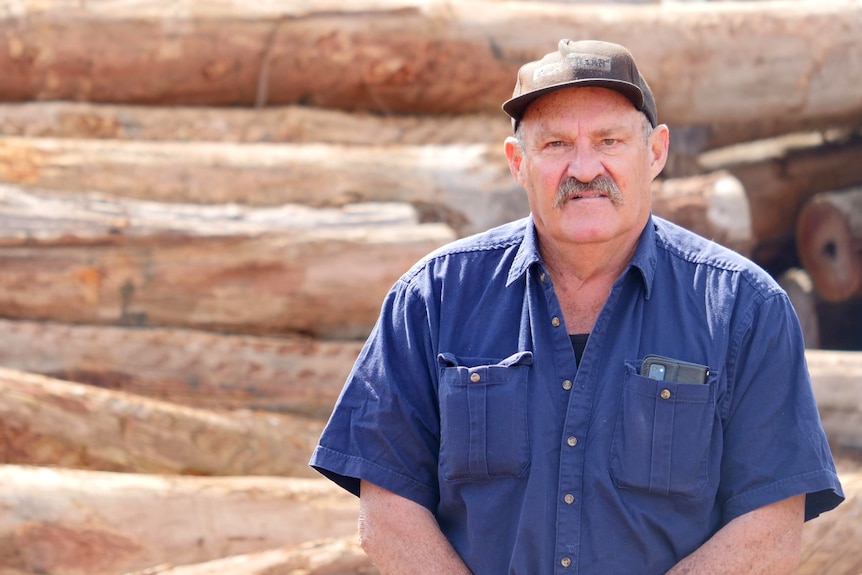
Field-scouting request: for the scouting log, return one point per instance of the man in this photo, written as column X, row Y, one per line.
column 589, row 390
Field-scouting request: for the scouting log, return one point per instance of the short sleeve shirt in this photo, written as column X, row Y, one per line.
column 468, row 400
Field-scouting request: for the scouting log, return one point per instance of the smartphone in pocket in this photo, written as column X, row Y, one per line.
column 674, row 370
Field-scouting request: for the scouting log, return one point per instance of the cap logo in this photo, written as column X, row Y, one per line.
column 590, row 62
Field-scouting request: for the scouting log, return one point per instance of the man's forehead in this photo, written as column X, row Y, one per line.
column 563, row 113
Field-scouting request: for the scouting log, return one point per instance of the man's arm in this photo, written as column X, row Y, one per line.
column 766, row 541
column 401, row 536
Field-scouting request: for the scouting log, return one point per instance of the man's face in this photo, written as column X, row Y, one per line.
column 587, row 165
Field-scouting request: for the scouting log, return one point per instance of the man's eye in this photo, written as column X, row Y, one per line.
column 555, row 144
column 609, row 142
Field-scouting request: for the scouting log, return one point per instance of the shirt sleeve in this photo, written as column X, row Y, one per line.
column 774, row 443
column 385, row 425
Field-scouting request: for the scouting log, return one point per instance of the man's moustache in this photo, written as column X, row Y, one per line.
column 573, row 187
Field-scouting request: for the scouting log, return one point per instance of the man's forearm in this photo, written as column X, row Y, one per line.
column 766, row 541
column 402, row 537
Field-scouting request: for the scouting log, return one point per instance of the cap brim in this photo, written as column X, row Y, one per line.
column 515, row 107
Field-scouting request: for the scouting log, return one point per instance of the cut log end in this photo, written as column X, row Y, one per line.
column 828, row 242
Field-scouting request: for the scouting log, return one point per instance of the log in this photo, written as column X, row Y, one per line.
column 829, row 241
column 72, row 522
column 52, row 422
column 437, row 57
column 469, row 186
column 208, row 370
column 828, row 547
column 714, row 206
column 323, row 557
column 277, row 271
column 837, row 381
column 222, row 371
column 800, row 289
column 273, row 124
column 779, row 175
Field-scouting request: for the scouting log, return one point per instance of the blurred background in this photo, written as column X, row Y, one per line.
column 203, row 203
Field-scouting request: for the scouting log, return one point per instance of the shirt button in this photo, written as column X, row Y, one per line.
column 665, row 394
column 566, row 562
column 475, row 377
column 572, row 441
column 567, row 384
column 542, row 277
column 569, row 498
column 555, row 321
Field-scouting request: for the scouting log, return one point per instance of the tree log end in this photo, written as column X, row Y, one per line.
column 826, row 246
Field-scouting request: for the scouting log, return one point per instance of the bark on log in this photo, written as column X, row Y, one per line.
column 52, row 422
column 787, row 65
column 829, row 241
column 468, row 186
column 780, row 175
column 71, row 522
column 714, row 206
column 226, row 268
column 323, row 557
column 196, row 368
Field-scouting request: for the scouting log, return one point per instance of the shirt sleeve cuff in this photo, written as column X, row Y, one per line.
column 346, row 471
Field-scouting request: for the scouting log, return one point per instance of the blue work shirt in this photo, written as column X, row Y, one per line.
column 467, row 400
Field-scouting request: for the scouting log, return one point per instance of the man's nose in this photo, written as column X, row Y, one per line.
column 585, row 163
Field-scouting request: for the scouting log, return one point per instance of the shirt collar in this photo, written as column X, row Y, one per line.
column 528, row 253
column 643, row 260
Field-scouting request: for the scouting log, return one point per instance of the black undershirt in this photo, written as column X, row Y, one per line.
column 579, row 342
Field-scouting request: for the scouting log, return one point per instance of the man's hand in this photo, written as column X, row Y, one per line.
column 766, row 541
column 401, row 536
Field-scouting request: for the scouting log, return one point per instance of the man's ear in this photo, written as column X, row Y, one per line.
column 659, row 140
column 515, row 155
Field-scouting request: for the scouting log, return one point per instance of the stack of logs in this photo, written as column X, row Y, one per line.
column 204, row 202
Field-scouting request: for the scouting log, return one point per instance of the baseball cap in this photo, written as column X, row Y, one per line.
column 580, row 64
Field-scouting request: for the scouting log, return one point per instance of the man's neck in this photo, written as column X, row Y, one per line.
column 583, row 275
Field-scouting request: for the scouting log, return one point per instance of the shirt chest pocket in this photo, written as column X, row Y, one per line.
column 483, row 417
column 663, row 436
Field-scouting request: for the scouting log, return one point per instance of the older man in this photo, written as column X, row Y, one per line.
column 588, row 390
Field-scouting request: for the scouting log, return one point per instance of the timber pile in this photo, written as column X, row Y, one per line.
column 203, row 203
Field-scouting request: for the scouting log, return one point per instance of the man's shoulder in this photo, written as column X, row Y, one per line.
column 697, row 251
column 488, row 245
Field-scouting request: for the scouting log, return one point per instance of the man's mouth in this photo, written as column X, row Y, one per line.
column 587, row 195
